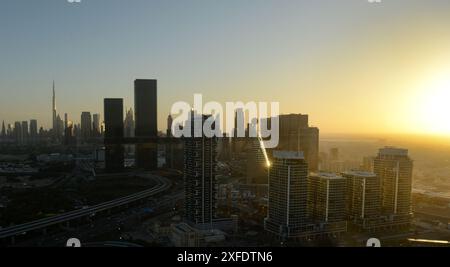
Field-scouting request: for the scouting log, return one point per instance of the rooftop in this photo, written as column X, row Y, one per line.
column 327, row 175
column 361, row 174
column 393, row 151
column 288, row 154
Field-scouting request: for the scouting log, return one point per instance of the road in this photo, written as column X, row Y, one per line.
column 162, row 184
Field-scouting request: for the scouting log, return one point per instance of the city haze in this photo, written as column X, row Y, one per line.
column 359, row 67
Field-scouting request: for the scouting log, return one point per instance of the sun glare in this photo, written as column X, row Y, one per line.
column 435, row 105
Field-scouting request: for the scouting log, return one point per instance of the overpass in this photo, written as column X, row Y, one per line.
column 162, row 184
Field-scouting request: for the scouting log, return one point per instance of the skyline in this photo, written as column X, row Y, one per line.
column 77, row 121
column 250, row 126
column 96, row 49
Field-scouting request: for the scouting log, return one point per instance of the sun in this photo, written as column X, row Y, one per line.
column 435, row 105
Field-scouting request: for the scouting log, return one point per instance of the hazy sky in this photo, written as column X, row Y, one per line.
column 355, row 67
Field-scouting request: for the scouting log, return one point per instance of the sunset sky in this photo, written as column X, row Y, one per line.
column 355, row 67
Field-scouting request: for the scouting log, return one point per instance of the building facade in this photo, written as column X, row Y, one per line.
column 287, row 205
column 86, row 126
column 145, row 105
column 200, row 176
column 363, row 202
column 326, row 197
column 297, row 135
column 114, row 152
column 394, row 167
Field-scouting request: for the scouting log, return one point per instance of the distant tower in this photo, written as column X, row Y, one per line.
column 3, row 135
column 239, row 122
column 54, row 119
column 368, row 163
column 68, row 131
column 297, row 135
column 24, row 136
column 86, row 126
column 59, row 127
column 256, row 163
column 66, row 121
column 169, row 126
column 129, row 123
column 33, row 131
column 334, row 154
column 17, row 132
column 96, row 125
column 237, row 144
column 10, row 131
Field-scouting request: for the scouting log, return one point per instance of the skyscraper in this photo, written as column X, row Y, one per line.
column 59, row 127
column 363, row 197
column 77, row 130
column 33, row 131
column 3, row 134
column 9, row 131
column 54, row 119
column 334, row 154
column 239, row 123
column 326, row 198
column 145, row 100
column 174, row 149
column 129, row 123
column 169, row 126
column 66, row 122
column 114, row 152
column 368, row 163
column 86, row 126
column 297, row 135
column 224, row 151
column 145, row 105
column 287, row 211
column 239, row 130
column 256, row 163
column 69, row 133
column 25, row 133
column 394, row 167
column 200, row 176
column 96, row 125
column 18, row 132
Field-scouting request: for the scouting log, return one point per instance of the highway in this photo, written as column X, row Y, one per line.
column 162, row 184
